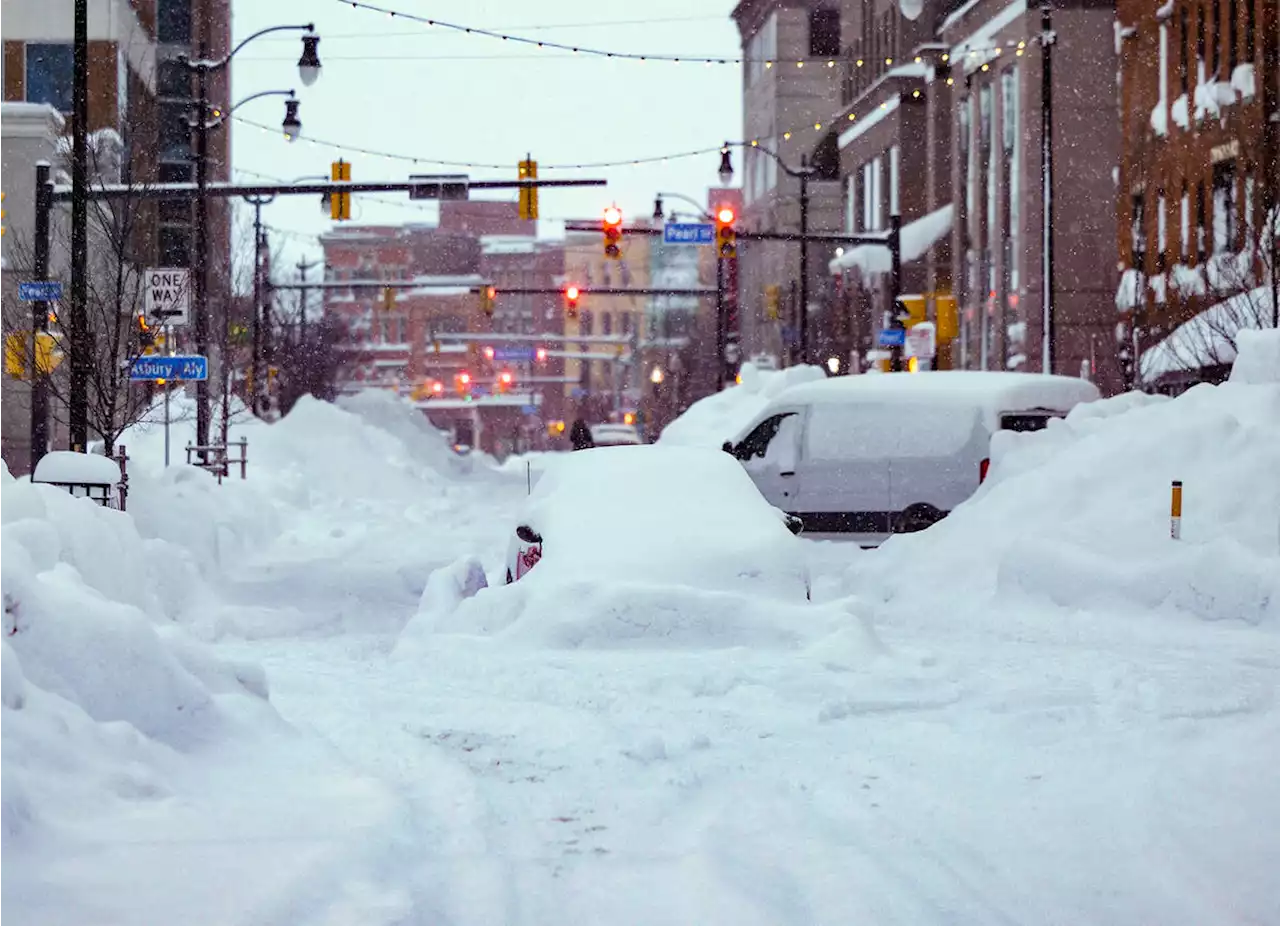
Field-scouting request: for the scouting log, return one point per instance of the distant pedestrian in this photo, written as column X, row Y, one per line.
column 580, row 436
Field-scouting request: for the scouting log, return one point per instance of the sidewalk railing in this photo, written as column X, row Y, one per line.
column 218, row 458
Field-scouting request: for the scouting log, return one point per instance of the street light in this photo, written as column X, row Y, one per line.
column 657, row 376
column 657, row 208
column 309, row 63
column 292, row 125
column 833, row 364
column 803, row 173
column 202, row 67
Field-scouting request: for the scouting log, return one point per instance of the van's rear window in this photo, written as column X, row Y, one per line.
column 1025, row 421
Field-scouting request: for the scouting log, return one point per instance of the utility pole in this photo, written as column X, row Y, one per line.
column 81, row 342
column 1048, row 322
column 803, row 174
column 895, row 277
column 259, row 311
column 202, row 241
column 40, row 319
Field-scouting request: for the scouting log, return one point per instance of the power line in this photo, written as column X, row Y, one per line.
column 417, row 159
column 531, row 27
column 542, row 43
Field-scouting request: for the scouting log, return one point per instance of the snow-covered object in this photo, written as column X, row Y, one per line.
column 1210, row 337
column 711, row 421
column 917, row 238
column 1206, row 101
column 1180, row 112
column 911, row 9
column 1244, row 80
column 1128, row 292
column 1077, row 515
column 68, row 466
column 1160, row 119
column 1258, row 358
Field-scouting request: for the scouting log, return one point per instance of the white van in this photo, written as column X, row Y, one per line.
column 864, row 457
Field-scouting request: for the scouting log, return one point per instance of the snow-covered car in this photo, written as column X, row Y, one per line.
column 615, row 435
column 662, row 516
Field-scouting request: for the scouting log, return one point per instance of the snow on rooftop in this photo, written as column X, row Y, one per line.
column 509, row 244
column 917, row 238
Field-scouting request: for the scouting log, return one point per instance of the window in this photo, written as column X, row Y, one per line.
column 173, row 21
column 895, row 155
column 1013, row 193
column 175, row 246
column 1233, row 32
column 757, row 442
column 1225, row 207
column 1184, row 40
column 175, row 134
column 50, row 69
column 1200, row 49
column 851, row 203
column 1250, row 28
column 1162, row 232
column 1200, row 235
column 877, row 194
column 174, row 210
column 1137, row 232
column 824, row 33
column 1216, row 38
column 175, row 173
column 173, row 81
column 606, row 323
column 1185, row 219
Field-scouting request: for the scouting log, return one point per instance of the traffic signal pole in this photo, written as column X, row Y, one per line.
column 40, row 319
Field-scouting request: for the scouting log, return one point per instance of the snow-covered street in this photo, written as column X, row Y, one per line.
column 1063, row 721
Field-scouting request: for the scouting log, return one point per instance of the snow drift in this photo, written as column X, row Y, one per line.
column 1079, row 514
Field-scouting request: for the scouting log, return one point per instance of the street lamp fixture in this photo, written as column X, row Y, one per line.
column 292, row 125
column 657, row 208
column 726, row 166
column 833, row 364
column 309, row 63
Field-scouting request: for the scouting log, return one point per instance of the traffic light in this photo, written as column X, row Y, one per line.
column 462, row 382
column 505, row 379
column 541, row 355
column 613, row 233
column 488, row 294
column 528, row 170
column 3, row 213
column 772, row 301
column 726, row 236
column 389, row 298
column 571, row 294
column 146, row 337
column 340, row 203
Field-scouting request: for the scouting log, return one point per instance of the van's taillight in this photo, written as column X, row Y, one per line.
column 982, row 470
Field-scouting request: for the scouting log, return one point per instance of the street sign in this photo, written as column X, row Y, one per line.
column 516, row 353
column 439, row 186
column 167, row 295
column 179, row 369
column 893, row 337
column 40, row 291
column 529, row 410
column 688, row 233
column 922, row 341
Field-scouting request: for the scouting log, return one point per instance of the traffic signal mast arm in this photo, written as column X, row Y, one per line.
column 881, row 238
column 62, row 192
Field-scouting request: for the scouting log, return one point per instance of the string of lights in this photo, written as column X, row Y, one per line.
column 581, row 50
column 480, row 165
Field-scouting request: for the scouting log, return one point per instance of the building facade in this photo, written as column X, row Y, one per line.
column 1198, row 179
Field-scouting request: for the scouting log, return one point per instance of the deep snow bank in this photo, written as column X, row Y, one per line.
column 711, row 421
column 99, row 684
column 1079, row 514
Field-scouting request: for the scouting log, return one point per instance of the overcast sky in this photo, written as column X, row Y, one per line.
column 407, row 88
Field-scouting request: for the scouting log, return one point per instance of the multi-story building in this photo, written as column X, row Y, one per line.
column 998, row 96
column 791, row 89
column 893, row 134
column 410, row 344
column 1199, row 173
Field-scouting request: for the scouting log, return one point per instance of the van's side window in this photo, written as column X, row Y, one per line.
column 757, row 442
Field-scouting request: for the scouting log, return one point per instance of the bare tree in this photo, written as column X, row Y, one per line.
column 115, row 302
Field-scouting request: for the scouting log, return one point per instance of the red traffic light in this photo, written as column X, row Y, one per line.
column 571, row 293
column 492, row 292
column 505, row 377
column 542, row 354
column 464, row 378
column 488, row 353
column 613, row 216
column 725, row 215
column 437, row 387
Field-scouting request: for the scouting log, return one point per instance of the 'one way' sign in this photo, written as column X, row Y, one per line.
column 168, row 295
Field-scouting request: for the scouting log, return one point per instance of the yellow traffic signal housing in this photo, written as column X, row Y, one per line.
column 488, row 296
column 18, row 348
column 528, row 170
column 726, row 234
column 917, row 311
column 772, row 301
column 388, row 298
column 948, row 317
column 340, row 203
column 3, row 213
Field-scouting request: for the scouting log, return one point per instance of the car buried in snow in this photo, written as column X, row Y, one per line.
column 657, row 516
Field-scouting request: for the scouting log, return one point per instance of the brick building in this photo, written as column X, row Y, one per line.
column 1198, row 176
column 444, row 266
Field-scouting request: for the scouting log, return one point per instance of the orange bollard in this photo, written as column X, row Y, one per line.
column 1175, row 510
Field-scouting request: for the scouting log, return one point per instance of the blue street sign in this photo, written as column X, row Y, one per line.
column 688, row 233
column 529, row 410
column 148, row 369
column 578, row 392
column 40, row 291
column 515, row 353
column 893, row 337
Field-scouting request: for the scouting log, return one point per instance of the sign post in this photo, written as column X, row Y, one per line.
column 922, row 343
column 167, row 297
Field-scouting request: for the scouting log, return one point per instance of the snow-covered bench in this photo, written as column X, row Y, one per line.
column 86, row 475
